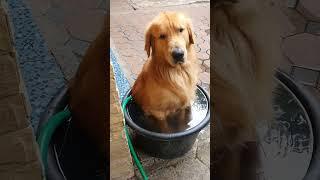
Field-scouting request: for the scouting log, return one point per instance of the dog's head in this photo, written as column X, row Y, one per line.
column 168, row 37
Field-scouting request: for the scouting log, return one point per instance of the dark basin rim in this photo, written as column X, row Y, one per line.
column 171, row 136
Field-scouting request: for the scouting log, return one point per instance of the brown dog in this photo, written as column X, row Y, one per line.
column 246, row 48
column 168, row 79
column 88, row 92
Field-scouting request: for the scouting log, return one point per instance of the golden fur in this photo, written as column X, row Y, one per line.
column 246, row 49
column 164, row 87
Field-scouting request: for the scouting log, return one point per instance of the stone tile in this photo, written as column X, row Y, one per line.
column 285, row 64
column 206, row 87
column 203, row 153
column 152, row 164
column 293, row 23
column 115, row 108
column 204, row 136
column 287, row 26
column 9, row 78
column 83, row 5
column 190, row 169
column 205, row 77
column 302, row 49
column 13, row 115
column 20, row 145
column 5, row 40
column 67, row 61
column 305, row 76
column 136, row 69
column 38, row 7
column 197, row 48
column 56, row 3
column 207, row 63
column 23, row 171
column 313, row 28
column 137, row 4
column 55, row 34
column 84, row 25
column 55, row 14
column 78, row 47
column 310, row 9
column 202, row 56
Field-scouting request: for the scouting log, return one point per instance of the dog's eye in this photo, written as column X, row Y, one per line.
column 181, row 29
column 162, row 36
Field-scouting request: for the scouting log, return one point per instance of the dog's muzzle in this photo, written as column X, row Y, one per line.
column 178, row 55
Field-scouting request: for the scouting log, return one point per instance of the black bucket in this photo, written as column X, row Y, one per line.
column 71, row 155
column 311, row 107
column 167, row 145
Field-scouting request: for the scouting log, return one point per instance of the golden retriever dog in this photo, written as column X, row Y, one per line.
column 88, row 96
column 246, row 46
column 167, row 82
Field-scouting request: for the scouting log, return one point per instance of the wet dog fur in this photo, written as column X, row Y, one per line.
column 166, row 83
column 246, row 48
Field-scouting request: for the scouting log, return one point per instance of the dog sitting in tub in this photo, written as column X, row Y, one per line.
column 167, row 82
column 246, row 42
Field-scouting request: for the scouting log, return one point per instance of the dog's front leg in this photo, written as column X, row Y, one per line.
column 163, row 125
column 228, row 167
column 160, row 117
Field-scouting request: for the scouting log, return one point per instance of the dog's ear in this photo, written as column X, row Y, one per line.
column 190, row 32
column 148, row 40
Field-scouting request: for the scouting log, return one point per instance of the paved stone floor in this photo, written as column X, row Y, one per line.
column 68, row 27
column 127, row 26
column 40, row 73
column 301, row 39
column 50, row 40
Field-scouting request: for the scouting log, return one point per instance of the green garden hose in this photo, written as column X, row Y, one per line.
column 133, row 153
column 47, row 131
column 49, row 128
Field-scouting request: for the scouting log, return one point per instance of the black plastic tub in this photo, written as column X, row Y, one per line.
column 311, row 107
column 167, row 145
column 289, row 145
column 71, row 155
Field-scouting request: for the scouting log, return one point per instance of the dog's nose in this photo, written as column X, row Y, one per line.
column 178, row 55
